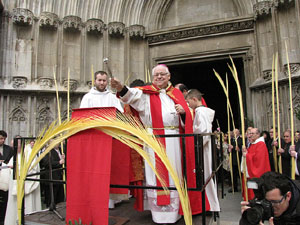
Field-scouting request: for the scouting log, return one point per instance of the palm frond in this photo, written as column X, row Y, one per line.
column 126, row 129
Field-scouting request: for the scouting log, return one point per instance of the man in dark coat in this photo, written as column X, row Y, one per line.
column 6, row 152
column 54, row 159
column 237, row 143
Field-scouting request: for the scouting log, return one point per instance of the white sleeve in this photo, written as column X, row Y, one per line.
column 135, row 98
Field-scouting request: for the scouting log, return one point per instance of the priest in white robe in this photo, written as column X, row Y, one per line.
column 99, row 96
column 156, row 105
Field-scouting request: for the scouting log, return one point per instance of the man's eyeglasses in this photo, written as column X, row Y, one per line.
column 161, row 74
column 277, row 202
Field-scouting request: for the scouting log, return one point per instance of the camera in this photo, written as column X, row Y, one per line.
column 260, row 208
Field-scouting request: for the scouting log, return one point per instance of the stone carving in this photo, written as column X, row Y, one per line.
column 262, row 8
column 49, row 20
column 45, row 82
column 19, row 82
column 245, row 25
column 19, row 100
column 136, row 31
column 95, row 26
column 294, row 68
column 72, row 23
column 73, row 84
column 267, row 75
column 18, row 114
column 116, row 28
column 45, row 116
column 89, row 83
column 22, row 16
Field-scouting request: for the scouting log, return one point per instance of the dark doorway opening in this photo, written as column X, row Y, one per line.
column 200, row 76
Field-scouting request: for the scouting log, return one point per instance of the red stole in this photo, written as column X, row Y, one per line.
column 178, row 98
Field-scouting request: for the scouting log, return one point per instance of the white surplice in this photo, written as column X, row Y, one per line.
column 141, row 102
column 32, row 193
column 95, row 98
column 203, row 124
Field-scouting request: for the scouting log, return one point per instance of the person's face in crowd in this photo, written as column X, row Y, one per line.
column 287, row 137
column 226, row 137
column 161, row 77
column 192, row 102
column 101, row 82
column 236, row 132
column 254, row 135
column 31, row 144
column 271, row 133
column 280, row 203
column 265, row 135
column 2, row 140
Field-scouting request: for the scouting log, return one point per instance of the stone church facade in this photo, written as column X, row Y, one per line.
column 40, row 38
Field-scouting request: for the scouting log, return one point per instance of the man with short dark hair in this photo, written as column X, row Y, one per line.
column 284, row 195
column 99, row 96
column 6, row 152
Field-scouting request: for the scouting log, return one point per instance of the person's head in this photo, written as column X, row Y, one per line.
column 225, row 137
column 32, row 143
column 3, row 136
column 137, row 83
column 287, row 136
column 266, row 135
column 254, row 134
column 278, row 190
column 161, row 76
column 271, row 131
column 182, row 88
column 236, row 132
column 248, row 131
column 193, row 98
column 101, row 80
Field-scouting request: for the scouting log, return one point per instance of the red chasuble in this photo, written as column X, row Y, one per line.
column 257, row 160
column 178, row 98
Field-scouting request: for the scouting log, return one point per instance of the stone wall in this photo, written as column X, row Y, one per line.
column 34, row 49
column 40, row 38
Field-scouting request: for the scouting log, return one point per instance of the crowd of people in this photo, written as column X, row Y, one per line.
column 36, row 194
column 167, row 110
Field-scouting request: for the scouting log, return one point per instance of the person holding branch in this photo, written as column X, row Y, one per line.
column 162, row 110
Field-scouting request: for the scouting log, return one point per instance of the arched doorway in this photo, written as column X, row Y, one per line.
column 200, row 75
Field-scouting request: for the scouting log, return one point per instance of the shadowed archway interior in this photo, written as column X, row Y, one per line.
column 200, row 76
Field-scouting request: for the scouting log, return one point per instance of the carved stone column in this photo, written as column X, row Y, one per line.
column 262, row 8
column 72, row 23
column 136, row 31
column 116, row 29
column 23, row 17
column 49, row 20
column 95, row 26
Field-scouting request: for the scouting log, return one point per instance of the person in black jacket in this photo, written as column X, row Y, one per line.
column 268, row 142
column 284, row 196
column 56, row 160
column 236, row 149
column 6, row 152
